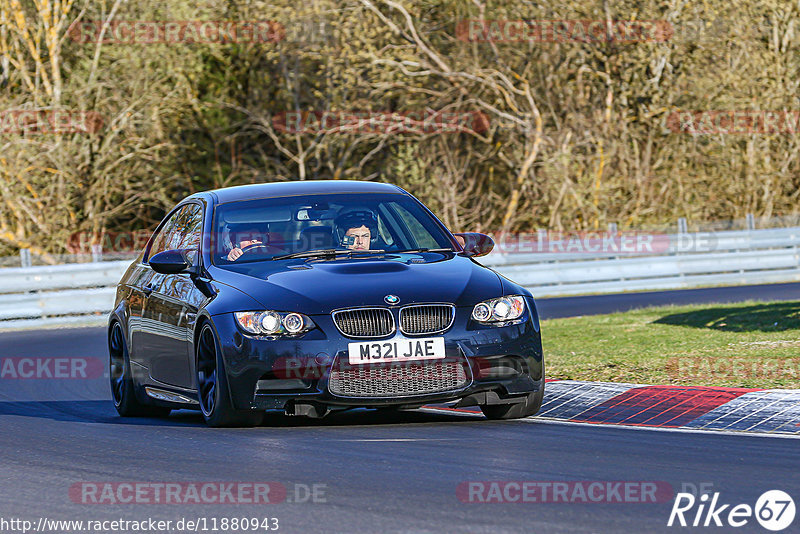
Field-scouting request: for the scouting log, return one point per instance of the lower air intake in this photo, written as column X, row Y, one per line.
column 399, row 380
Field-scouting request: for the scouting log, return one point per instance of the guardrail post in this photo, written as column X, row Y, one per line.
column 751, row 222
column 25, row 257
column 683, row 228
column 97, row 253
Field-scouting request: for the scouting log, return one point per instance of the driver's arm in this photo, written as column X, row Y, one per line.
column 234, row 254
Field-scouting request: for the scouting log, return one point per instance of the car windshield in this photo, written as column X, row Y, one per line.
column 325, row 226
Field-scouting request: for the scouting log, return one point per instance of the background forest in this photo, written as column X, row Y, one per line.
column 577, row 134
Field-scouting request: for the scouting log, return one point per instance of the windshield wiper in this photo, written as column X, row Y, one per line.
column 334, row 252
column 312, row 253
column 426, row 250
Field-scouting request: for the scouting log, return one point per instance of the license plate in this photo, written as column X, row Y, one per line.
column 396, row 350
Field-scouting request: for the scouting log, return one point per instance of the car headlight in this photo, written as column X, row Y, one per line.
column 499, row 310
column 273, row 323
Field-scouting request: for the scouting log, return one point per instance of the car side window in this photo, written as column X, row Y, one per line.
column 384, row 233
column 185, row 234
column 419, row 233
column 160, row 243
column 182, row 231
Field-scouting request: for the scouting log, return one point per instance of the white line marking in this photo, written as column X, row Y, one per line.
column 789, row 424
column 572, row 388
column 768, row 405
column 548, row 421
column 402, row 439
column 598, row 394
column 791, row 410
column 755, row 396
column 576, row 391
column 792, row 406
column 536, row 419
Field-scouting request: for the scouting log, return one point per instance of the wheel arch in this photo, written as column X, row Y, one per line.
column 118, row 315
column 202, row 319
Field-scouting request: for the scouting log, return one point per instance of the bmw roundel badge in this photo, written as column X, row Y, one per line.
column 391, row 299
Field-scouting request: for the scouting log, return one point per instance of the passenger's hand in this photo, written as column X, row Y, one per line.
column 234, row 254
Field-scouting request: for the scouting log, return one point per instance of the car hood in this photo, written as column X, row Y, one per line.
column 319, row 286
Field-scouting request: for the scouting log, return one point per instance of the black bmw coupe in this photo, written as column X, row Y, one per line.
column 309, row 297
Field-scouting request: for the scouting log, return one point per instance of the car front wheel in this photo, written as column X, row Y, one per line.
column 212, row 387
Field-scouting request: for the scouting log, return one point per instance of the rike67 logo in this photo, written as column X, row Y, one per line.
column 774, row 510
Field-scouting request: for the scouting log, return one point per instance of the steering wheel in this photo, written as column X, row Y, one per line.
column 250, row 248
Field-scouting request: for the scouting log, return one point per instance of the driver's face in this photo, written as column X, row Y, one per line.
column 362, row 236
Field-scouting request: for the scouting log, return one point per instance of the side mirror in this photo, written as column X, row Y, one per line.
column 475, row 244
column 170, row 262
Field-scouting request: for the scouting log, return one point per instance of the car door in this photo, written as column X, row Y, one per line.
column 168, row 308
column 143, row 285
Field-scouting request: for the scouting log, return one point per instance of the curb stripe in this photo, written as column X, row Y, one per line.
column 658, row 406
column 572, row 399
column 775, row 410
column 689, row 408
column 734, row 412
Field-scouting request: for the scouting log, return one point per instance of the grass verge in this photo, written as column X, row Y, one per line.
column 749, row 344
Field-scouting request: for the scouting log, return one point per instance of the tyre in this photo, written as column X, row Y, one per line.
column 122, row 387
column 528, row 407
column 212, row 386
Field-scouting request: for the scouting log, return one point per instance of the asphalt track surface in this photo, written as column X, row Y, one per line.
column 376, row 472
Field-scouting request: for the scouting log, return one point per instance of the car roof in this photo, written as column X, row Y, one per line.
column 301, row 187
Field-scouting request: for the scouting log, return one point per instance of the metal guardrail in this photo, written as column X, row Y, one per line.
column 730, row 258
column 57, row 303
column 727, row 258
column 69, row 276
column 59, row 290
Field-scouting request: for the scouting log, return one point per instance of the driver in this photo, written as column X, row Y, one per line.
column 357, row 229
column 242, row 236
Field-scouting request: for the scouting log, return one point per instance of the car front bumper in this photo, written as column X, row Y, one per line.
column 501, row 364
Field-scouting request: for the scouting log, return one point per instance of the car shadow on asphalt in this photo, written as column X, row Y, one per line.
column 102, row 412
column 83, row 411
column 767, row 317
column 367, row 417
